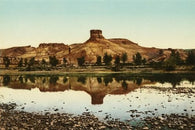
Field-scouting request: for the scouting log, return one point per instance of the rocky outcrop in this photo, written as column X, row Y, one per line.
column 95, row 35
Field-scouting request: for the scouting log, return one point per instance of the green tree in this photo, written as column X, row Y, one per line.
column 190, row 60
column 81, row 61
column 107, row 59
column 6, row 61
column 173, row 61
column 99, row 60
column 53, row 61
column 31, row 61
column 25, row 62
column 178, row 58
column 144, row 61
column 137, row 58
column 170, row 63
column 124, row 57
column 43, row 62
column 117, row 64
column 117, row 61
column 20, row 63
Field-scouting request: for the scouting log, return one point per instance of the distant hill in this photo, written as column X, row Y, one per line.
column 94, row 46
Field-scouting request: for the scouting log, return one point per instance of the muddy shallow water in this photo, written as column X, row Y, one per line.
column 107, row 97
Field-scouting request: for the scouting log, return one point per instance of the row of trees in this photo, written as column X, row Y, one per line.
column 175, row 60
column 107, row 59
column 53, row 61
column 170, row 63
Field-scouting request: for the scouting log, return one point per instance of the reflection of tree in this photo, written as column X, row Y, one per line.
column 44, row 80
column 31, row 78
column 81, row 79
column 191, row 79
column 53, row 79
column 173, row 79
column 124, row 85
column 107, row 79
column 21, row 79
column 65, row 79
column 26, row 79
column 99, row 79
column 138, row 81
column 6, row 80
column 118, row 78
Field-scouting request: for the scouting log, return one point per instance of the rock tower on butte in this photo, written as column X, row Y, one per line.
column 95, row 35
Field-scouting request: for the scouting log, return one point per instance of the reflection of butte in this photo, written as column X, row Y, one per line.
column 96, row 90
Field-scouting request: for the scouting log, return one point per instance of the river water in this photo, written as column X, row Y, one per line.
column 118, row 96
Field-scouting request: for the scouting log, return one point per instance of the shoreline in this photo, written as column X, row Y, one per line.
column 10, row 118
column 62, row 72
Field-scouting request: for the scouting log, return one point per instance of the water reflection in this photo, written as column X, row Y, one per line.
column 6, row 80
column 81, row 79
column 96, row 86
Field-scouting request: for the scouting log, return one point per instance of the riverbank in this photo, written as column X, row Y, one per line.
column 12, row 119
column 86, row 71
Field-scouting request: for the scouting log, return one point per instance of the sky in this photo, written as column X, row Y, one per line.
column 150, row 23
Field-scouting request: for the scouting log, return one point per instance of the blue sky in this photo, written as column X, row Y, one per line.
column 150, row 23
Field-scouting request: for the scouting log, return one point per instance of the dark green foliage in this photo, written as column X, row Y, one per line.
column 107, row 59
column 170, row 67
column 137, row 59
column 172, row 61
column 99, row 60
column 6, row 61
column 170, row 64
column 20, row 63
column 43, row 62
column 53, row 61
column 178, row 59
column 117, row 60
column 25, row 62
column 117, row 64
column 156, row 65
column 190, row 60
column 144, row 61
column 31, row 61
column 124, row 57
column 81, row 61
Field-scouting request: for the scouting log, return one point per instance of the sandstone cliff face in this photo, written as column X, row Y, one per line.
column 95, row 46
column 51, row 49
